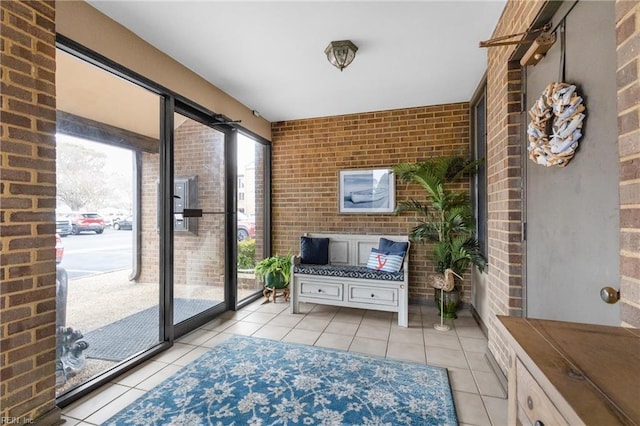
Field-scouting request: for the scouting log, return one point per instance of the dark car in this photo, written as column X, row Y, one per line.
column 126, row 223
column 246, row 227
column 81, row 222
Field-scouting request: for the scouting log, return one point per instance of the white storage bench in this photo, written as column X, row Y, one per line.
column 346, row 280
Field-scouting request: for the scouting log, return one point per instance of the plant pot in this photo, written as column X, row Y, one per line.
column 450, row 303
column 275, row 280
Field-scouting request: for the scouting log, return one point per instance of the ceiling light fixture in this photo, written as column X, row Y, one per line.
column 341, row 53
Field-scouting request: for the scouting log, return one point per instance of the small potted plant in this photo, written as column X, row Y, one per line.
column 445, row 220
column 275, row 271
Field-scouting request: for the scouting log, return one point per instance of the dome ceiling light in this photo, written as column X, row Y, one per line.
column 341, row 53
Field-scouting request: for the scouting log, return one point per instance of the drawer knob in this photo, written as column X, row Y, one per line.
column 530, row 403
column 538, row 423
column 319, row 290
column 373, row 295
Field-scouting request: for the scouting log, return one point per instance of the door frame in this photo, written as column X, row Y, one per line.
column 552, row 12
column 168, row 101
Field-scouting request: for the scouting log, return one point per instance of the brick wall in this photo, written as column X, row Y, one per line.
column 198, row 259
column 505, row 174
column 628, row 80
column 149, row 164
column 505, row 179
column 28, row 198
column 308, row 154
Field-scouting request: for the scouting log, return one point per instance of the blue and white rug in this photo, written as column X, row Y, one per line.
column 250, row 381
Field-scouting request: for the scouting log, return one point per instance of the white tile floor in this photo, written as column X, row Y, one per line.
column 479, row 396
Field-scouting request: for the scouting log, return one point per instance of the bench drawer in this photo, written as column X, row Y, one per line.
column 317, row 290
column 533, row 403
column 373, row 295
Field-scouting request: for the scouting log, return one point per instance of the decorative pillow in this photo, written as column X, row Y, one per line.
column 390, row 246
column 384, row 261
column 314, row 250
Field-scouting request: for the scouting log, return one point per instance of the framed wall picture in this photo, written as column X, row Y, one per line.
column 366, row 191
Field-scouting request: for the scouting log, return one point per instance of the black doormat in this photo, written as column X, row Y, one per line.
column 135, row 333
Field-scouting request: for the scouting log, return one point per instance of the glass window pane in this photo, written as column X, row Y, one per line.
column 251, row 217
column 107, row 288
column 198, row 242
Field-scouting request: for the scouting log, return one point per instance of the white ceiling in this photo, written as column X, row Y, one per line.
column 270, row 55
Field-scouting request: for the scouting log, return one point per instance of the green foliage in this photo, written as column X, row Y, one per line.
column 445, row 217
column 274, row 264
column 247, row 254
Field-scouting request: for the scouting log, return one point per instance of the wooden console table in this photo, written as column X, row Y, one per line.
column 565, row 373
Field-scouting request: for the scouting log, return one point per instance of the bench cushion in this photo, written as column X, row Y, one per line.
column 348, row 271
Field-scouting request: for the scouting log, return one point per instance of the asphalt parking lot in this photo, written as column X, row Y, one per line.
column 89, row 253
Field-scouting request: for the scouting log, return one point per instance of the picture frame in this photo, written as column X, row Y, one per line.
column 366, row 191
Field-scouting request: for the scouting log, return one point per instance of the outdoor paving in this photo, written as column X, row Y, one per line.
column 100, row 299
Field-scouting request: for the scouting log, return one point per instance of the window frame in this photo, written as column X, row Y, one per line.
column 478, row 141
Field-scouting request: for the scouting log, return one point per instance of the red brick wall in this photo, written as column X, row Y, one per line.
column 628, row 79
column 28, row 199
column 308, row 154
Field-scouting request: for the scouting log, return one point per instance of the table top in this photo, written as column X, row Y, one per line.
column 594, row 368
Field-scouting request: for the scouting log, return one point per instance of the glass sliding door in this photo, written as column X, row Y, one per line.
column 199, row 243
column 159, row 215
column 251, row 207
column 107, row 164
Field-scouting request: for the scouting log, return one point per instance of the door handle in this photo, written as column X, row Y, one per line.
column 609, row 295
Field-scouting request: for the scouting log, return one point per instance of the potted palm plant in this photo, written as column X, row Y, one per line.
column 445, row 220
column 275, row 271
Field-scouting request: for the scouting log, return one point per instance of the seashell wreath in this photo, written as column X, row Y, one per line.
column 560, row 101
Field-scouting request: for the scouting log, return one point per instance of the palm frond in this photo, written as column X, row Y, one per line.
column 425, row 231
column 446, row 219
column 412, row 206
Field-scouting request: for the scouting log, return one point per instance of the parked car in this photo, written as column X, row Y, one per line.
column 63, row 226
column 111, row 217
column 246, row 227
column 126, row 223
column 59, row 249
column 81, row 222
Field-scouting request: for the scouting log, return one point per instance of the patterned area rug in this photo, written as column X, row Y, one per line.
column 250, row 381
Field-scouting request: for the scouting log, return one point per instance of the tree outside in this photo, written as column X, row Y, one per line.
column 93, row 176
